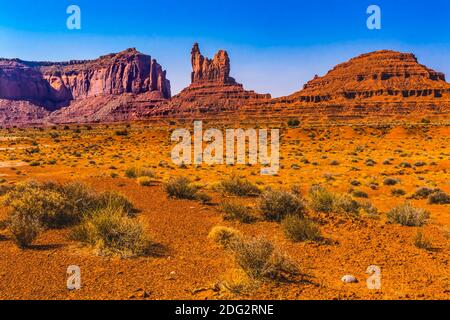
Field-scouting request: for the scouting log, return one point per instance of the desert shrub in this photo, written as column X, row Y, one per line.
column 321, row 200
column 334, row 163
column 136, row 172
column 398, row 192
column 111, row 232
column 390, row 182
column 181, row 188
column 224, row 236
column 421, row 242
column 78, row 199
column 35, row 163
column 360, row 194
column 113, row 199
column 345, row 204
column 422, row 193
column 355, row 183
column 439, row 197
column 236, row 211
column 293, row 123
column 146, row 181
column 407, row 215
column 300, row 229
column 239, row 187
column 24, row 227
column 276, row 204
column 259, row 259
column 368, row 210
column 123, row 132
column 32, row 202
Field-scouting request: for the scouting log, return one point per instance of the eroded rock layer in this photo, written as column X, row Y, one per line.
column 211, row 91
column 52, row 86
column 378, row 84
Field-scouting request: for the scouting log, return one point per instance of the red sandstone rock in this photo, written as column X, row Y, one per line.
column 56, row 85
column 212, row 89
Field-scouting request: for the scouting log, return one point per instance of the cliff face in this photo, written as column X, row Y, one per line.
column 56, row 85
column 133, row 86
column 211, row 91
column 381, row 73
column 378, row 84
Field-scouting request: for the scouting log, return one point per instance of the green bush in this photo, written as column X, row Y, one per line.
column 406, row 215
column 300, row 229
column 277, row 204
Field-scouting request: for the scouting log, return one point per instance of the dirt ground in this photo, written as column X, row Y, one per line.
column 190, row 266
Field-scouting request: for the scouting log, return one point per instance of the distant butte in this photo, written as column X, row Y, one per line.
column 130, row 86
column 211, row 91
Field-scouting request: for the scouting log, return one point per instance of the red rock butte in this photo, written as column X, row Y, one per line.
column 132, row 86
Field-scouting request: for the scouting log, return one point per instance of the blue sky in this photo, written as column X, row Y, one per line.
column 274, row 47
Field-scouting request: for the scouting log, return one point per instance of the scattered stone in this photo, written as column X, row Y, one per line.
column 349, row 279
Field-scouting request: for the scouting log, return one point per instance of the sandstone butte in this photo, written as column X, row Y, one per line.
column 132, row 86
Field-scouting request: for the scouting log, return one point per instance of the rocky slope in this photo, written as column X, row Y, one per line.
column 132, row 86
column 211, row 91
column 35, row 89
column 380, row 83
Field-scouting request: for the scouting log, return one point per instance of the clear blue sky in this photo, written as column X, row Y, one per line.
column 274, row 47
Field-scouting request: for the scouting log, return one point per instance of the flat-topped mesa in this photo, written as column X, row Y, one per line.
column 53, row 85
column 216, row 70
column 378, row 74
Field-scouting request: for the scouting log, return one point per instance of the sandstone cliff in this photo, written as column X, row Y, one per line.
column 211, row 91
column 378, row 84
column 52, row 86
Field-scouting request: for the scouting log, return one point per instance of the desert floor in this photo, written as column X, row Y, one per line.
column 191, row 267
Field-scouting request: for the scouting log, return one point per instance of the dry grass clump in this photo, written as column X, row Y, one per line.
column 439, row 197
column 260, row 260
column 239, row 187
column 299, row 229
column 136, row 172
column 146, row 181
column 277, row 204
column 407, row 215
column 423, row 193
column 113, row 199
column 235, row 211
column 224, row 236
column 321, row 200
column 34, row 207
column 390, row 182
column 181, row 188
column 110, row 231
column 421, row 242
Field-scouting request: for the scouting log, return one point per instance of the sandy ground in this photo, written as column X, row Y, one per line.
column 190, row 266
